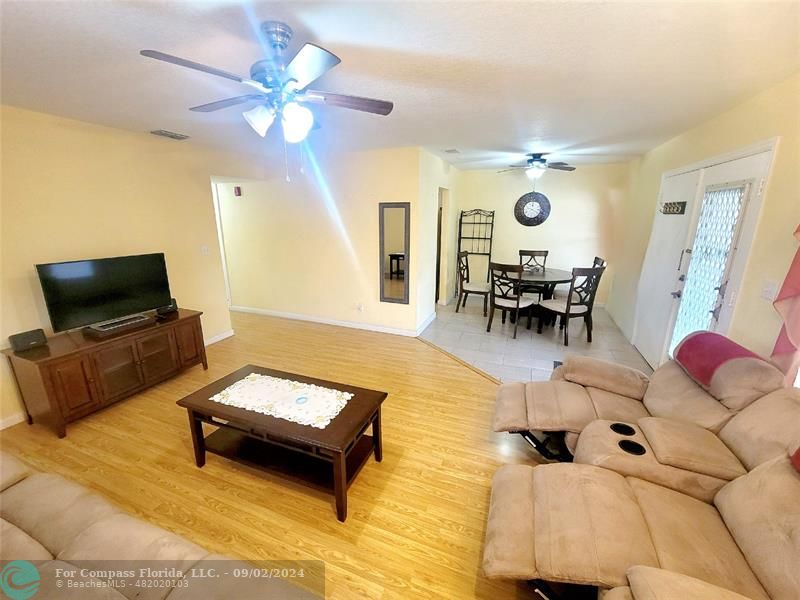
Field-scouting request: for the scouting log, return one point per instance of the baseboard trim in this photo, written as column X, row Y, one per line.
column 324, row 321
column 426, row 322
column 12, row 420
column 218, row 338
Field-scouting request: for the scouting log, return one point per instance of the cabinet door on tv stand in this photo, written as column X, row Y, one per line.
column 189, row 342
column 158, row 355
column 118, row 370
column 74, row 385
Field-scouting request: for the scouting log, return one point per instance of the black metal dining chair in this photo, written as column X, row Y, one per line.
column 534, row 260
column 578, row 303
column 505, row 294
column 599, row 262
column 466, row 287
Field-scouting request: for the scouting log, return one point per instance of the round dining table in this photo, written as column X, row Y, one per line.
column 546, row 276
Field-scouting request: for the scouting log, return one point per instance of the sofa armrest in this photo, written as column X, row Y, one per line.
column 650, row 583
column 687, row 446
column 611, row 377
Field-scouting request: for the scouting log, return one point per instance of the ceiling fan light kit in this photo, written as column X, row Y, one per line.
column 297, row 122
column 282, row 87
column 536, row 171
column 260, row 118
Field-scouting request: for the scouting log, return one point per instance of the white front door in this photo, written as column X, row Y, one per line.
column 664, row 265
column 694, row 263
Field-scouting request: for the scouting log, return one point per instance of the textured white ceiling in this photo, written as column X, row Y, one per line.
column 594, row 81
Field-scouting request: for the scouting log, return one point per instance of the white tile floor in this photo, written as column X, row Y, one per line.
column 530, row 357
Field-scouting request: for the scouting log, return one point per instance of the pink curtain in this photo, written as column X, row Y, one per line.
column 786, row 353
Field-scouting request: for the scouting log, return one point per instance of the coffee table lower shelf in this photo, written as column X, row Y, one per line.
column 302, row 468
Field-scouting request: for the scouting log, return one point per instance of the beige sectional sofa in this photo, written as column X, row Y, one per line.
column 684, row 485
column 584, row 524
column 59, row 524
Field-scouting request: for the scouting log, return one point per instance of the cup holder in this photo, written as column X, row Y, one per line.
column 622, row 429
column 632, row 447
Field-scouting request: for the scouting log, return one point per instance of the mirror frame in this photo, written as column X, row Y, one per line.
column 406, row 206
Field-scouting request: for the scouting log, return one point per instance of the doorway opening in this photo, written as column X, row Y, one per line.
column 443, row 249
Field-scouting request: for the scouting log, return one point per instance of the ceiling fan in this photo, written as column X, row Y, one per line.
column 280, row 89
column 537, row 164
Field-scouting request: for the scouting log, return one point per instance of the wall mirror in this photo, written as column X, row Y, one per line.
column 394, row 220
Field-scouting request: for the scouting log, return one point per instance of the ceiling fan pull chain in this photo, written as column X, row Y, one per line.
column 303, row 158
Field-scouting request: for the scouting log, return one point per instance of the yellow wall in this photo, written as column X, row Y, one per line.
column 583, row 222
column 774, row 112
column 310, row 247
column 73, row 190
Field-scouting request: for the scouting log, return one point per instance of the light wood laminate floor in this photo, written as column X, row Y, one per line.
column 416, row 521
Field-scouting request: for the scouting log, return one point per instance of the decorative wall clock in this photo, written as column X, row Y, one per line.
column 532, row 209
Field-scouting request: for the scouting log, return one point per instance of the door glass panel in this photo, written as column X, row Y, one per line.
column 716, row 230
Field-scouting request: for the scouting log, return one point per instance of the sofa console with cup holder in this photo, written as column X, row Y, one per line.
column 685, row 457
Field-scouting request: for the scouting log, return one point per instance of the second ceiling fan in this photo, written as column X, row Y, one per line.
column 537, row 164
column 281, row 88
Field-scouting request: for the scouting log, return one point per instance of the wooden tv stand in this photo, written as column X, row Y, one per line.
column 75, row 375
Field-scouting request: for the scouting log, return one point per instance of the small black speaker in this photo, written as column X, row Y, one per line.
column 168, row 309
column 27, row 340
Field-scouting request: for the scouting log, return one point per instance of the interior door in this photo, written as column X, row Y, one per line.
column 664, row 265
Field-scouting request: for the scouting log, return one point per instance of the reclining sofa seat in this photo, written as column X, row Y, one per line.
column 583, row 524
column 710, row 379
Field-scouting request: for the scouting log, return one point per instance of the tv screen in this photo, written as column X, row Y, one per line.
column 83, row 292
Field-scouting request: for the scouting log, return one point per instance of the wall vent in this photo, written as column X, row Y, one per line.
column 170, row 134
column 452, row 151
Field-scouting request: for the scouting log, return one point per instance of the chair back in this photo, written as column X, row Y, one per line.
column 599, row 262
column 506, row 281
column 463, row 268
column 533, row 260
column 583, row 287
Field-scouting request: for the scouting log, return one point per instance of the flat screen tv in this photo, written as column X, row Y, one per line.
column 83, row 292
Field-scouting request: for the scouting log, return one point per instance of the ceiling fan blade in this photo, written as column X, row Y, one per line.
column 220, row 104
column 189, row 64
column 514, row 169
column 370, row 105
column 560, row 166
column 310, row 63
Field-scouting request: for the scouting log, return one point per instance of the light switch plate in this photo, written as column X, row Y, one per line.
column 769, row 290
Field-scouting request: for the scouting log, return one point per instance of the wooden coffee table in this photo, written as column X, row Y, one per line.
column 327, row 458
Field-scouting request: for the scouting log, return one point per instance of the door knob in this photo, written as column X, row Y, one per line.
column 677, row 294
